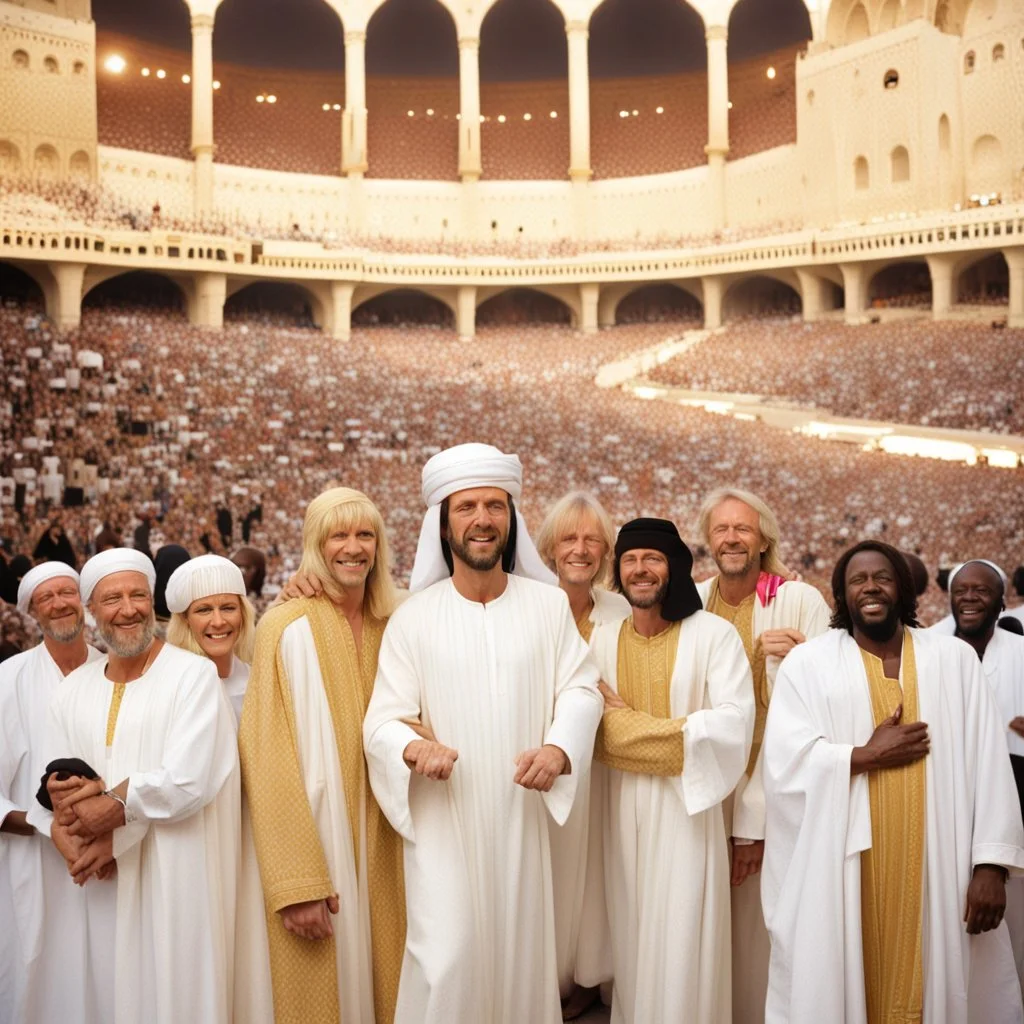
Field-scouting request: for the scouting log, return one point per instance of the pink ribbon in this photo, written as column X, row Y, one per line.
column 767, row 587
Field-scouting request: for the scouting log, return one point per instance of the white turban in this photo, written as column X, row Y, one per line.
column 39, row 575
column 202, row 577
column 106, row 563
column 458, row 469
column 975, row 561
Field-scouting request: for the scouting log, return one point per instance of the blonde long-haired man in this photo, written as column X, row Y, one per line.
column 330, row 864
column 773, row 614
column 576, row 542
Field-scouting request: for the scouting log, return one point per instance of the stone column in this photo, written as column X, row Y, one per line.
column 941, row 270
column 578, row 34
column 465, row 312
column 590, row 294
column 717, row 149
column 713, row 289
column 202, row 112
column 64, row 299
column 1015, row 264
column 210, row 294
column 812, row 294
column 353, row 123
column 855, row 287
column 341, row 310
column 469, row 103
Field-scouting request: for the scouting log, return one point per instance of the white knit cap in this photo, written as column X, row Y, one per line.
column 974, row 561
column 106, row 563
column 458, row 469
column 38, row 575
column 202, row 577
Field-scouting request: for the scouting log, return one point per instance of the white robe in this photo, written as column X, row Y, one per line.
column 571, row 857
column 235, row 686
column 665, row 849
column 49, row 968
column 173, row 943
column 819, row 823
column 797, row 606
column 491, row 681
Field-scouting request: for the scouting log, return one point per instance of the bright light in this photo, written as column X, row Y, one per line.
column 527, row 117
column 145, row 72
column 411, row 113
column 458, row 117
column 501, row 119
column 337, row 106
column 160, row 73
column 326, row 106
column 659, row 110
column 553, row 115
column 1001, row 457
column 115, row 63
column 216, row 84
column 430, row 111
column 623, row 113
column 186, row 79
column 730, row 104
column 636, row 113
column 261, row 98
column 271, row 98
column 770, row 72
column 482, row 119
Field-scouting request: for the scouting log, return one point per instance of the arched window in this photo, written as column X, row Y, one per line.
column 79, row 67
column 900, row 164
column 20, row 59
column 861, row 173
column 891, row 79
column 10, row 158
column 998, row 52
column 50, row 65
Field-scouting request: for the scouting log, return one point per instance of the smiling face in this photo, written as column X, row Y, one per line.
column 122, row 605
column 644, row 573
column 349, row 551
column 578, row 553
column 734, row 533
column 872, row 594
column 478, row 525
column 215, row 623
column 57, row 607
column 976, row 597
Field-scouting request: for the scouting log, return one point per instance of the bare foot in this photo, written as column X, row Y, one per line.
column 579, row 1001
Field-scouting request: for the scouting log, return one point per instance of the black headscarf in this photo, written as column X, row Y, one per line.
column 682, row 599
column 168, row 558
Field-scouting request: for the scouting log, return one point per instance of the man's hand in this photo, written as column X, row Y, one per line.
column 424, row 732
column 302, row 584
column 311, row 920
column 59, row 790
column 96, row 814
column 16, row 824
column 779, row 642
column 538, row 769
column 746, row 859
column 96, row 857
column 68, row 846
column 892, row 745
column 612, row 701
column 430, row 758
column 986, row 899
column 1017, row 725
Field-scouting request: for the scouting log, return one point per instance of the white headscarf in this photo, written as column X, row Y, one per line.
column 973, row 561
column 39, row 575
column 106, row 563
column 459, row 469
column 202, row 577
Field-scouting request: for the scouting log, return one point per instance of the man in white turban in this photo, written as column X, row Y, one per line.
column 46, row 919
column 488, row 660
column 153, row 721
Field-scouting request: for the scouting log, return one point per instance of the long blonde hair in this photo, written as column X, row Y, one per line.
column 565, row 515
column 345, row 508
column 768, row 524
column 180, row 634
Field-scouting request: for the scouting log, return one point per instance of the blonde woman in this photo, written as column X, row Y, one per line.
column 211, row 616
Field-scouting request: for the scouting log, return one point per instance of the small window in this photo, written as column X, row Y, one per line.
column 968, row 62
column 19, row 59
column 861, row 174
column 51, row 66
column 79, row 67
column 998, row 52
column 810, row 98
column 900, row 161
column 891, row 79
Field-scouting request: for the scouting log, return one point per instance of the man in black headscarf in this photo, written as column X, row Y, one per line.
column 674, row 742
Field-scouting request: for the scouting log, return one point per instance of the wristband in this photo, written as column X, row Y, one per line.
column 128, row 816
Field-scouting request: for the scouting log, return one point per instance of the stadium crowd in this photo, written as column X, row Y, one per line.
column 157, row 425
column 958, row 373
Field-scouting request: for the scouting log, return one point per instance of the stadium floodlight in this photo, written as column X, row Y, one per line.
column 770, row 72
column 623, row 113
column 326, row 106
column 527, row 117
column 636, row 113
column 115, row 63
column 145, row 72
column 186, row 79
column 216, row 84
column 260, row 98
column 337, row 106
column 271, row 98
column 501, row 119
column 160, row 73
column 553, row 115
column 659, row 110
column 430, row 111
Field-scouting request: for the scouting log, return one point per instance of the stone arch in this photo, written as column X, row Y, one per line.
column 899, row 164
column 547, row 304
column 890, row 16
column 901, row 284
column 286, row 302
column 80, row 166
column 109, row 287
column 987, row 172
column 982, row 279
column 645, row 37
column 752, row 33
column 46, row 162
column 651, row 302
column 762, row 295
column 19, row 283
column 861, row 174
column 20, row 60
column 391, row 306
column 10, row 158
column 857, row 26
column 51, row 65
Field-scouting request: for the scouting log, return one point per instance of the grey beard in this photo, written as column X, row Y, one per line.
column 133, row 648
column 65, row 634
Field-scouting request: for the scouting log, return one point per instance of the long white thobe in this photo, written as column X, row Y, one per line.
column 174, row 740
column 797, row 606
column 819, row 823
column 665, row 848
column 46, row 917
column 571, row 856
column 491, row 681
